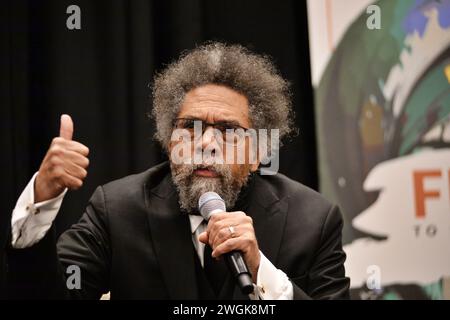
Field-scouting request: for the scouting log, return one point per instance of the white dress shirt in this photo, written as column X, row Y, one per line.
column 31, row 221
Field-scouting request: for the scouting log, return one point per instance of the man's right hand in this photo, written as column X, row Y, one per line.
column 64, row 165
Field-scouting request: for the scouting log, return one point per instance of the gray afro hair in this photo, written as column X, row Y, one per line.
column 234, row 66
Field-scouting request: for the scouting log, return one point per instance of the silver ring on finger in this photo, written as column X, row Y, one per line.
column 232, row 231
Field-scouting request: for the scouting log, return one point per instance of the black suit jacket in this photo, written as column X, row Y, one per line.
column 133, row 241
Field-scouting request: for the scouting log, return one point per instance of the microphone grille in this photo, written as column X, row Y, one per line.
column 210, row 202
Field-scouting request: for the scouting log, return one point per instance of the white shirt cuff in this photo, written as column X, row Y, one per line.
column 30, row 221
column 271, row 283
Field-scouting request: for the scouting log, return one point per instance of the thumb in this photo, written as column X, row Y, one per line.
column 203, row 237
column 66, row 128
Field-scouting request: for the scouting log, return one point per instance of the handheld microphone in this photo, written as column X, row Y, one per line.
column 209, row 204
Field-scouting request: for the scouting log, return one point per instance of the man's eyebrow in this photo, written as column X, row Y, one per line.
column 228, row 122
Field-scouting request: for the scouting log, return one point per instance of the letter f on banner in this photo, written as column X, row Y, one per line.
column 419, row 190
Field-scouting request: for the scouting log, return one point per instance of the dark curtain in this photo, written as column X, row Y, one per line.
column 100, row 75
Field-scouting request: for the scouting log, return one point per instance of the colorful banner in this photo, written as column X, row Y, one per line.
column 381, row 72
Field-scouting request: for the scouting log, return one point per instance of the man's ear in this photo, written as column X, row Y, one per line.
column 254, row 165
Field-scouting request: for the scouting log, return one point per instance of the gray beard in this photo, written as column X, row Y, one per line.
column 190, row 187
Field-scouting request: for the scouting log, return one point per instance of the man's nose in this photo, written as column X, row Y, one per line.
column 208, row 138
column 208, row 145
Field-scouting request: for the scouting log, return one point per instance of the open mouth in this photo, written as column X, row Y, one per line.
column 206, row 172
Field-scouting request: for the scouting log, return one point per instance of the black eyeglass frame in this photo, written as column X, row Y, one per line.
column 232, row 126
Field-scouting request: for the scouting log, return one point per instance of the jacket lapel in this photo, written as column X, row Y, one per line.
column 172, row 240
column 268, row 212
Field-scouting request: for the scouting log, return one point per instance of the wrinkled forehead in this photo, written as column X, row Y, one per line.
column 215, row 103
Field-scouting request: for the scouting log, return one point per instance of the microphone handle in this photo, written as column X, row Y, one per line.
column 237, row 266
column 239, row 270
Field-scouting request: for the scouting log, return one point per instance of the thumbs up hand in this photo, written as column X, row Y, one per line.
column 66, row 127
column 64, row 165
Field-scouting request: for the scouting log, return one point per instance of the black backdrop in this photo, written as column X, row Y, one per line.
column 101, row 73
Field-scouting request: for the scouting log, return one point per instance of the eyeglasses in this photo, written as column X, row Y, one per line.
column 225, row 131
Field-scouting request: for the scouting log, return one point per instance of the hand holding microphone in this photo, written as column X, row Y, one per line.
column 230, row 234
column 64, row 165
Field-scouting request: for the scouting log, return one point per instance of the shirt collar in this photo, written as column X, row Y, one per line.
column 196, row 221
